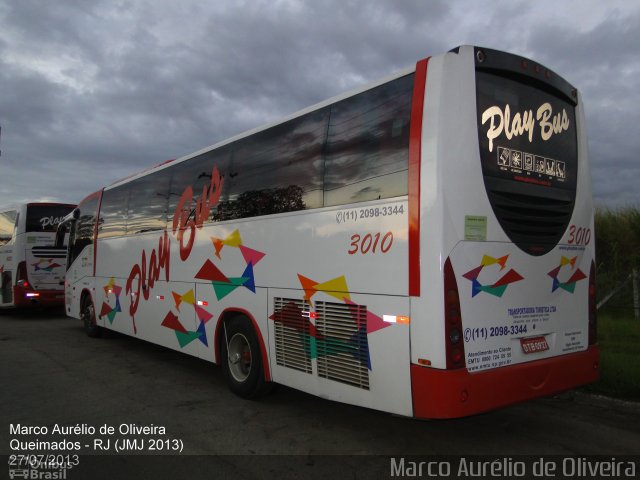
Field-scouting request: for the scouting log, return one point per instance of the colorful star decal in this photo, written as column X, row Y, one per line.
column 315, row 343
column 188, row 297
column 233, row 240
column 107, row 310
column 222, row 284
column 498, row 288
column 172, row 321
column 374, row 322
column 336, row 287
column 569, row 285
column 46, row 265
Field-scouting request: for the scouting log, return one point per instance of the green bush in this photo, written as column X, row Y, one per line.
column 617, row 234
column 617, row 253
column 619, row 342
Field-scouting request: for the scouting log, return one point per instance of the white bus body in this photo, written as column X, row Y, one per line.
column 31, row 269
column 430, row 270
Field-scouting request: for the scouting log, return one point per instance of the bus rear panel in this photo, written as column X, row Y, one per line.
column 515, row 258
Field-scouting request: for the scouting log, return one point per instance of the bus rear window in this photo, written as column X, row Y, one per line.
column 45, row 218
column 526, row 133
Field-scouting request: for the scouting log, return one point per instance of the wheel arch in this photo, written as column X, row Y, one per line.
column 227, row 315
column 86, row 293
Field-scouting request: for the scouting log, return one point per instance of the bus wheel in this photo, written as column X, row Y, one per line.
column 242, row 360
column 89, row 319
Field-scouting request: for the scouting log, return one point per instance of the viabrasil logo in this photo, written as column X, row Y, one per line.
column 498, row 288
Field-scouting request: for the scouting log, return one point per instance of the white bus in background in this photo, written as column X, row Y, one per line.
column 422, row 246
column 31, row 268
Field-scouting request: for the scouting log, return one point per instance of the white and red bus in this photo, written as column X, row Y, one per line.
column 31, row 269
column 422, row 246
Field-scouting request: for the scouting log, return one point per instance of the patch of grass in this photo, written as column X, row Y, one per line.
column 619, row 341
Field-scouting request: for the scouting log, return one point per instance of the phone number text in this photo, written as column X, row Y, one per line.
column 356, row 214
column 482, row 333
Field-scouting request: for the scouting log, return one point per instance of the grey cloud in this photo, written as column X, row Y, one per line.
column 104, row 88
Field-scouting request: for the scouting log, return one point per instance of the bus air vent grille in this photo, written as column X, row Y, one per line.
column 534, row 218
column 292, row 334
column 341, row 343
column 49, row 252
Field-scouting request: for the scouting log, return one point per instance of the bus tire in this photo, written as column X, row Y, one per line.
column 89, row 319
column 242, row 359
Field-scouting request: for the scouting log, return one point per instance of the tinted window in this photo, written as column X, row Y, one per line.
column 368, row 144
column 45, row 218
column 197, row 173
column 277, row 170
column 84, row 227
column 353, row 151
column 113, row 212
column 528, row 152
column 7, row 222
column 148, row 199
column 515, row 129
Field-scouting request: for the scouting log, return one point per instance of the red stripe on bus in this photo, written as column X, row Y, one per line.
column 90, row 196
column 95, row 226
column 415, row 143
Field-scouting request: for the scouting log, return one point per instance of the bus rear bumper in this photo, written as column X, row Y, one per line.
column 458, row 393
column 26, row 298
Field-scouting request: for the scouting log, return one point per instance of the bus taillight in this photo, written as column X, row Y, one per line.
column 453, row 319
column 21, row 275
column 593, row 306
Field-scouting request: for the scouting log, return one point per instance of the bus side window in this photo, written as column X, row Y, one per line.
column 277, row 170
column 113, row 212
column 82, row 233
column 368, row 145
column 196, row 173
column 148, row 202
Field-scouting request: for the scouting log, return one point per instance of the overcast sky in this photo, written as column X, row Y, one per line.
column 92, row 91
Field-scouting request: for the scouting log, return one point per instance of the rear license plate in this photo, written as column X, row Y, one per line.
column 534, row 344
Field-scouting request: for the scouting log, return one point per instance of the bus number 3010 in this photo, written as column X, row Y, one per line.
column 371, row 243
column 579, row 235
